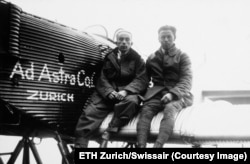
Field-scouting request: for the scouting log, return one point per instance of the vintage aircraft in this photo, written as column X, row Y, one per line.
column 47, row 74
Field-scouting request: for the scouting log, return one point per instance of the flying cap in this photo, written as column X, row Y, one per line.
column 122, row 31
column 167, row 27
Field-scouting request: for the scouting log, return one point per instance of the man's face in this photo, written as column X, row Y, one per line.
column 166, row 38
column 124, row 42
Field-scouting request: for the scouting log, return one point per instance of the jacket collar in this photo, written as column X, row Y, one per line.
column 116, row 51
column 113, row 59
column 170, row 52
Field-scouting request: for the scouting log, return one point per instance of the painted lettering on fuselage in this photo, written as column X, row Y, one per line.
column 79, row 79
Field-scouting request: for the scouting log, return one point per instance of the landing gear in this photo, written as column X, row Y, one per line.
column 25, row 143
column 29, row 147
column 68, row 158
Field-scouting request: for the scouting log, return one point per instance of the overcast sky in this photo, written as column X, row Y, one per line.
column 215, row 33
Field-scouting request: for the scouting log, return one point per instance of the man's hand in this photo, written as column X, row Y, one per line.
column 167, row 98
column 112, row 95
column 122, row 94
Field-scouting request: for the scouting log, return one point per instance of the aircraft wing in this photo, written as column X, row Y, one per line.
column 209, row 123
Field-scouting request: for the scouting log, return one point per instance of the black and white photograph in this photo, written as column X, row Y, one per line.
column 157, row 74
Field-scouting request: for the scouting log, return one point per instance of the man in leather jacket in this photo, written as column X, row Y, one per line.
column 170, row 71
column 122, row 79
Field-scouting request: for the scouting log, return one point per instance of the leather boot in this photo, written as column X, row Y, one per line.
column 78, row 145
column 104, row 144
column 141, row 145
column 158, row 145
column 105, row 139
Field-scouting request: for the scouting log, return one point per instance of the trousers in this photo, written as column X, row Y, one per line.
column 93, row 115
column 149, row 109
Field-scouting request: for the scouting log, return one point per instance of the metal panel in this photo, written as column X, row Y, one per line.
column 50, row 70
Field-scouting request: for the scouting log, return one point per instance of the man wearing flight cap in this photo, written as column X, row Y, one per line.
column 122, row 79
column 170, row 71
